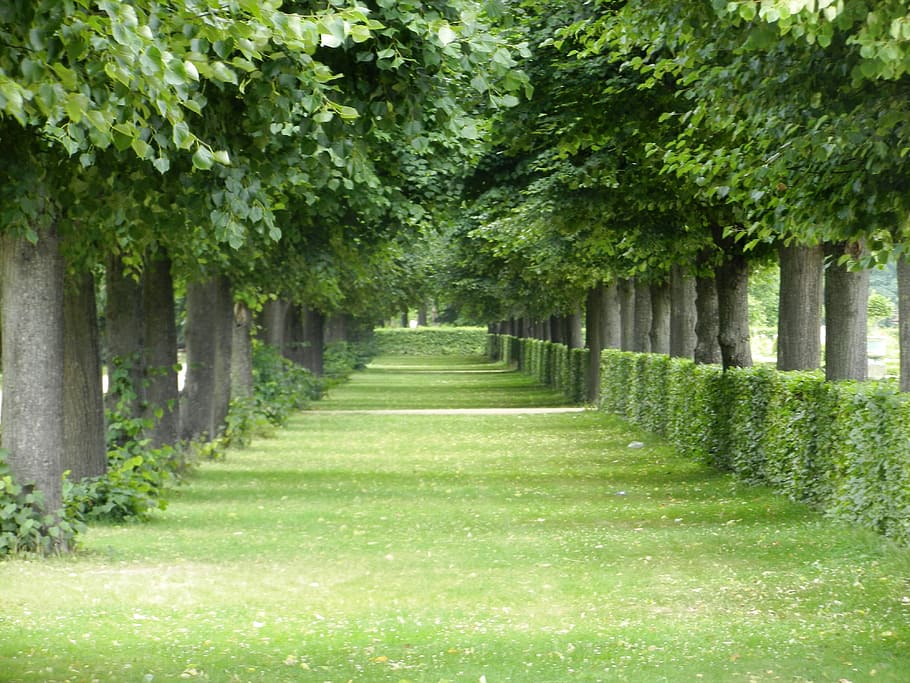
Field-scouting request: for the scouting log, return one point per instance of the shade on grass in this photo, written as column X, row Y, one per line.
column 460, row 548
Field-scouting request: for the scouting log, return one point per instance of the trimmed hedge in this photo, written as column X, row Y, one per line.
column 842, row 447
column 430, row 341
column 554, row 365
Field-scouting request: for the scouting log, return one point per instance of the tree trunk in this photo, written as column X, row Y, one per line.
column 125, row 328
column 197, row 401
column 557, row 326
column 314, row 340
column 611, row 327
column 337, row 328
column 161, row 392
column 242, row 352
column 683, row 314
column 224, row 336
column 85, row 454
column 294, row 335
column 595, row 312
column 422, row 316
column 272, row 323
column 800, row 299
column 733, row 312
column 707, row 326
column 574, row 338
column 903, row 316
column 626, row 292
column 846, row 314
column 33, row 329
column 660, row 318
column 641, row 331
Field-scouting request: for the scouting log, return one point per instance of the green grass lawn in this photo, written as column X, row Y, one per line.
column 462, row 548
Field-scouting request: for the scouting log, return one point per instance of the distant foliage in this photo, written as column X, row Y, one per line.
column 841, row 447
column 431, row 341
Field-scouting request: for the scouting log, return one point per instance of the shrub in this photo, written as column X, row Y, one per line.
column 280, row 386
column 25, row 525
column 343, row 358
column 137, row 478
column 841, row 447
column 554, row 365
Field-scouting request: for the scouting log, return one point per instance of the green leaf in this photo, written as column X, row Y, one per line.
column 203, row 158
column 446, row 35
column 348, row 113
column 182, row 136
column 224, row 73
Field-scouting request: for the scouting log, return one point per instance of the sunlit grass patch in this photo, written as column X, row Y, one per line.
column 449, row 548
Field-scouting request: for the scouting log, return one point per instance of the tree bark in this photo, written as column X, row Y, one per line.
column 800, row 299
column 626, row 292
column 595, row 312
column 85, row 454
column 574, row 338
column 707, row 326
column 557, row 325
column 124, row 334
column 846, row 316
column 611, row 329
column 272, row 323
column 733, row 312
column 294, row 335
column 242, row 352
column 224, row 336
column 313, row 347
column 641, row 332
column 683, row 314
column 903, row 316
column 33, row 334
column 161, row 392
column 660, row 318
column 209, row 330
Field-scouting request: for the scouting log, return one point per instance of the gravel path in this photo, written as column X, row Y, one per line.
column 450, row 411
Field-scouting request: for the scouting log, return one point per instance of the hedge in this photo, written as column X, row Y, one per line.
column 842, row 447
column 554, row 365
column 431, row 341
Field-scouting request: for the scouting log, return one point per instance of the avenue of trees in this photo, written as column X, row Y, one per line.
column 264, row 158
column 673, row 147
column 280, row 167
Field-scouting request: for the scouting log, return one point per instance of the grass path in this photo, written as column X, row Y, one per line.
column 431, row 547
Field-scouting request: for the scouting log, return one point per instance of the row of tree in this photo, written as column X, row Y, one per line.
column 671, row 148
column 237, row 157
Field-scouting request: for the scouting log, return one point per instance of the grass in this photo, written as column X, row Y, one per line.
column 462, row 548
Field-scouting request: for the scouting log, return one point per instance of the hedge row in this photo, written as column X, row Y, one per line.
column 842, row 447
column 431, row 341
column 554, row 365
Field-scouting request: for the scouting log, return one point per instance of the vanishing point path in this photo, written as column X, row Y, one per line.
column 444, row 519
